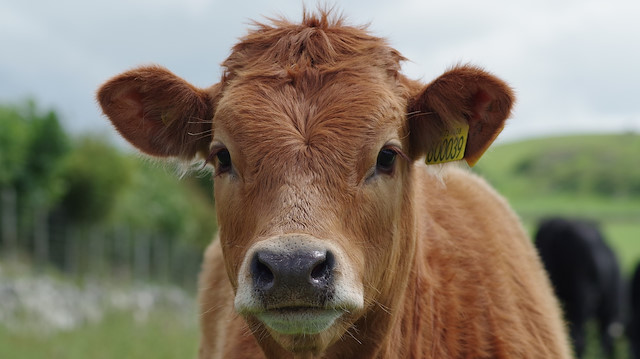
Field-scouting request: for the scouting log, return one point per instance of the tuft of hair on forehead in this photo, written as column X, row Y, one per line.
column 322, row 41
column 304, row 88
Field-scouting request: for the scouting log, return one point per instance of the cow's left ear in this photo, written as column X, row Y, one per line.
column 440, row 113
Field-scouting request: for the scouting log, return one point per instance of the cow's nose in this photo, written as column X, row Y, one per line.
column 280, row 274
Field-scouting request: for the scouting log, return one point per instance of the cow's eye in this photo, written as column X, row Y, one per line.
column 224, row 161
column 386, row 160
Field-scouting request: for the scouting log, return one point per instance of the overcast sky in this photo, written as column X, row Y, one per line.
column 573, row 64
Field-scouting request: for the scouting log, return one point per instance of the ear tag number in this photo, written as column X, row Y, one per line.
column 449, row 147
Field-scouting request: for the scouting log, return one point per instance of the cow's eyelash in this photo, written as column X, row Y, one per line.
column 397, row 150
column 219, row 167
column 214, row 151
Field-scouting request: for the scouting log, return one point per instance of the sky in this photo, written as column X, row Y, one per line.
column 573, row 64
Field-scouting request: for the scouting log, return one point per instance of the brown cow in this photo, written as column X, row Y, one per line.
column 335, row 239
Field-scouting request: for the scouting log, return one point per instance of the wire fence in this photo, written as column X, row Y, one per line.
column 47, row 239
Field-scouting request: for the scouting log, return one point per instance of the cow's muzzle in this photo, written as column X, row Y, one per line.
column 297, row 284
column 303, row 276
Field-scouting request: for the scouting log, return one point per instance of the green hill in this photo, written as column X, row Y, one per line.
column 590, row 176
column 598, row 165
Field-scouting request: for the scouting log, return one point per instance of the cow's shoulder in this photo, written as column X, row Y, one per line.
column 458, row 200
column 481, row 266
column 464, row 186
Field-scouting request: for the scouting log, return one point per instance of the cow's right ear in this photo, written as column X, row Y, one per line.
column 466, row 98
column 158, row 112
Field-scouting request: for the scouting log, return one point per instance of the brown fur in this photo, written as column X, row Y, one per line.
column 303, row 110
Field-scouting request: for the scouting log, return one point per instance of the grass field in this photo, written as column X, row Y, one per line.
column 118, row 335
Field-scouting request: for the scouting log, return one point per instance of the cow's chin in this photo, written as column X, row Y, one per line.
column 299, row 320
column 303, row 330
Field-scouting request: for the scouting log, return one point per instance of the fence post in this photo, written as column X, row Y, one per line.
column 71, row 252
column 9, row 203
column 96, row 251
column 41, row 235
column 162, row 258
column 141, row 256
column 122, row 251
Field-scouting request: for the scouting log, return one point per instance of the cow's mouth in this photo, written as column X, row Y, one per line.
column 299, row 320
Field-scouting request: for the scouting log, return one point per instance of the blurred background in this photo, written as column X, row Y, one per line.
column 100, row 247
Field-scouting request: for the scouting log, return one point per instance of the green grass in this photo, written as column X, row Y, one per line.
column 119, row 335
column 593, row 349
column 625, row 240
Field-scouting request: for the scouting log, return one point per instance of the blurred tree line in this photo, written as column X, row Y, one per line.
column 80, row 203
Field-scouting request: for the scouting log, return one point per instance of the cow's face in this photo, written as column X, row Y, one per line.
column 313, row 136
column 309, row 189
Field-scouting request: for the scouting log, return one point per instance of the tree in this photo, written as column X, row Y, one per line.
column 14, row 136
column 32, row 148
column 94, row 174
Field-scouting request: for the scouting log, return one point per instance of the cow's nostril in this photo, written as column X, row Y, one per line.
column 322, row 271
column 282, row 278
column 263, row 276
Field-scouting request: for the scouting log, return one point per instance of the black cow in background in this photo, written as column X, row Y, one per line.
column 634, row 324
column 586, row 277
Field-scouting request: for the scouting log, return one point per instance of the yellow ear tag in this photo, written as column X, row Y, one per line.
column 451, row 146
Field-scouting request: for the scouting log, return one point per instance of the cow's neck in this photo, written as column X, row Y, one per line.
column 410, row 331
column 405, row 324
column 407, row 336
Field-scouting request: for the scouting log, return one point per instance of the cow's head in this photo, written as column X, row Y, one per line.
column 313, row 134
